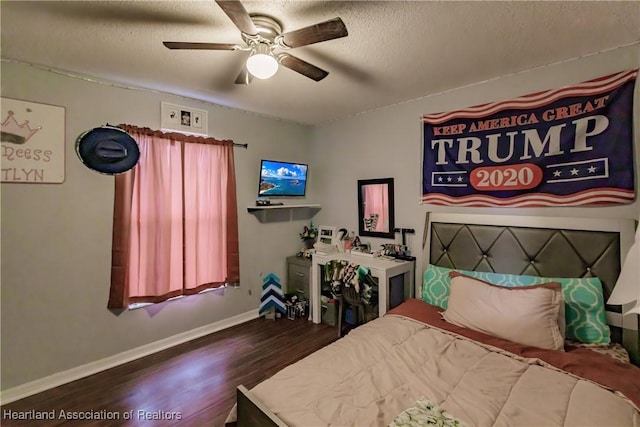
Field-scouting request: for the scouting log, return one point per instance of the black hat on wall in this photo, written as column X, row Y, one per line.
column 108, row 150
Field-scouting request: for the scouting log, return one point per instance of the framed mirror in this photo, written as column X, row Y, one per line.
column 375, row 208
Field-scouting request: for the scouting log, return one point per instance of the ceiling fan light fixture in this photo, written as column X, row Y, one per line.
column 263, row 38
column 262, row 64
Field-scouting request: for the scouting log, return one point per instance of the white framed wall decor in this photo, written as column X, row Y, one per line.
column 327, row 235
column 33, row 137
column 183, row 119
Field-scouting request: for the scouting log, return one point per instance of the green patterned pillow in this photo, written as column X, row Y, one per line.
column 584, row 300
column 436, row 286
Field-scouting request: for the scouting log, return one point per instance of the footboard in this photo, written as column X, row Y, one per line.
column 251, row 412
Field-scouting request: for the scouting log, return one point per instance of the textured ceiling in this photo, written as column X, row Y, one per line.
column 395, row 50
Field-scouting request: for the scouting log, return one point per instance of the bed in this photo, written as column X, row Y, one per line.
column 420, row 362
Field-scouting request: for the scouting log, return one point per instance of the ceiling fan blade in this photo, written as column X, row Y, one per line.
column 245, row 77
column 238, row 15
column 328, row 30
column 204, row 46
column 303, row 67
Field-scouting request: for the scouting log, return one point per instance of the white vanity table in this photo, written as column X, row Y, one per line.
column 383, row 269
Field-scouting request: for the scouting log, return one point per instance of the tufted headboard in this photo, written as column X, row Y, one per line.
column 535, row 246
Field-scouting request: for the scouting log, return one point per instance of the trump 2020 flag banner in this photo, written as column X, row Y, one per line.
column 565, row 147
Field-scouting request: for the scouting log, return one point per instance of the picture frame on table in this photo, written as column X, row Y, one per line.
column 327, row 235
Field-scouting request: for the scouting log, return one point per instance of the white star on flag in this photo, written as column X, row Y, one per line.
column 578, row 171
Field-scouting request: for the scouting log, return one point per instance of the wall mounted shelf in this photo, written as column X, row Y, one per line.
column 261, row 208
column 279, row 213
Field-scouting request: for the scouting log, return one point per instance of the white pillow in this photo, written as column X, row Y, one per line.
column 526, row 315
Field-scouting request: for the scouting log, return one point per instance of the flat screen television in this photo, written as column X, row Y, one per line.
column 282, row 179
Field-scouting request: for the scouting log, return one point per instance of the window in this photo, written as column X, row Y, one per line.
column 175, row 228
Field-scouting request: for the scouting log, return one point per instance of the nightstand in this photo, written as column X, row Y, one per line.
column 298, row 275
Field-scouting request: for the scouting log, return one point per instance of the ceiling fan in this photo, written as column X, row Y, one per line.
column 268, row 45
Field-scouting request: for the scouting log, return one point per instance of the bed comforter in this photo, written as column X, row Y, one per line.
column 383, row 367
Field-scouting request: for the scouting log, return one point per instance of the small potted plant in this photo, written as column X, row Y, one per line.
column 309, row 235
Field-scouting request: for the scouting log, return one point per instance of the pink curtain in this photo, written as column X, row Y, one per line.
column 175, row 219
column 206, row 208
column 376, row 201
column 155, row 260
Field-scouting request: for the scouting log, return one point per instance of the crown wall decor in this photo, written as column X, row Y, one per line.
column 15, row 133
column 27, row 159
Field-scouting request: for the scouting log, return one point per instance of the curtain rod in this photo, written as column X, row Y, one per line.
column 245, row 146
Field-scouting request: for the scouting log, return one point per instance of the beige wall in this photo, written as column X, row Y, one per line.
column 387, row 143
column 56, row 238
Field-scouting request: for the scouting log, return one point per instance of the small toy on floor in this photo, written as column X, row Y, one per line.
column 296, row 306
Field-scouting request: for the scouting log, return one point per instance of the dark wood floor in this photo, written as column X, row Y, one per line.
column 195, row 381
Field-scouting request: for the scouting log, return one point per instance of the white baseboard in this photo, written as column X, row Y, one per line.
column 59, row 378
